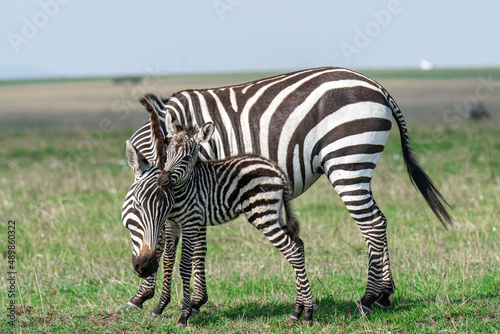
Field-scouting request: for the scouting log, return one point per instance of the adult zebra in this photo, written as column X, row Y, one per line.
column 328, row 120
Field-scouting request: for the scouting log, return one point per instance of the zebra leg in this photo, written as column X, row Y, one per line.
column 172, row 234
column 373, row 225
column 200, row 295
column 293, row 250
column 299, row 303
column 388, row 285
column 147, row 288
column 146, row 291
column 185, row 268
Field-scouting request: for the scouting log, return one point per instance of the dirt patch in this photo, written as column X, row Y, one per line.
column 103, row 320
column 24, row 310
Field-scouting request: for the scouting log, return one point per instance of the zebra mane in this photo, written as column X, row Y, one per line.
column 190, row 130
column 153, row 103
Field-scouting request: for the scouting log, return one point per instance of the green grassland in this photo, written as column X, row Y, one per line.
column 65, row 190
column 64, row 186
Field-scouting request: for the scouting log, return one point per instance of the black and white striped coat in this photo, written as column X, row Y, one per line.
column 330, row 121
column 215, row 192
column 194, row 194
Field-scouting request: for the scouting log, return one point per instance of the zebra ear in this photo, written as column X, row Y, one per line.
column 171, row 124
column 205, row 133
column 135, row 159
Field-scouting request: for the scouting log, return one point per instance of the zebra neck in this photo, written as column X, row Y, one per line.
column 201, row 184
column 196, row 180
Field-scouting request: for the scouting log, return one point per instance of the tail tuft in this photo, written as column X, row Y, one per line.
column 418, row 177
column 427, row 188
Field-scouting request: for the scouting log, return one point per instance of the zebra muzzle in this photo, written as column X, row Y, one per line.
column 164, row 180
column 145, row 265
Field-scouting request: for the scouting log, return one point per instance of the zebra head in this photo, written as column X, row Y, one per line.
column 147, row 204
column 182, row 153
column 144, row 213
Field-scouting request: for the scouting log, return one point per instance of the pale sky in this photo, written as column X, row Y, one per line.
column 70, row 38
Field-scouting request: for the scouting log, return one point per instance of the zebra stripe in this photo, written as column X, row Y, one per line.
column 330, row 121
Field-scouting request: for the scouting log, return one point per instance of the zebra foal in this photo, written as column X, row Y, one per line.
column 215, row 192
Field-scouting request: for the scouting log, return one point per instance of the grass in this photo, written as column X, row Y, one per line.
column 65, row 190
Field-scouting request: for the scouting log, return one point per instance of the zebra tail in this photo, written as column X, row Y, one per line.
column 292, row 222
column 418, row 177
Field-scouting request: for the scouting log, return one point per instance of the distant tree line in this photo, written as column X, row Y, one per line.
column 123, row 80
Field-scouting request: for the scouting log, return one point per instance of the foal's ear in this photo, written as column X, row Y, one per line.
column 135, row 159
column 205, row 133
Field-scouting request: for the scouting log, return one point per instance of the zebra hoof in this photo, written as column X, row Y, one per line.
column 182, row 322
column 296, row 314
column 293, row 320
column 131, row 306
column 362, row 310
column 384, row 303
column 195, row 312
column 154, row 315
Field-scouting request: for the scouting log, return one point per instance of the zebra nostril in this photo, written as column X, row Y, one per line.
column 136, row 268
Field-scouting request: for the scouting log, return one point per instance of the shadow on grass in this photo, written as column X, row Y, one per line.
column 263, row 310
column 403, row 303
column 329, row 309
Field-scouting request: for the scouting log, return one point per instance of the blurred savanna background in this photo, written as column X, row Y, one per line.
column 71, row 75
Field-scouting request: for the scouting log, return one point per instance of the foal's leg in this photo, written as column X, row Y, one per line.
column 172, row 233
column 189, row 234
column 293, row 250
column 147, row 288
column 200, row 295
